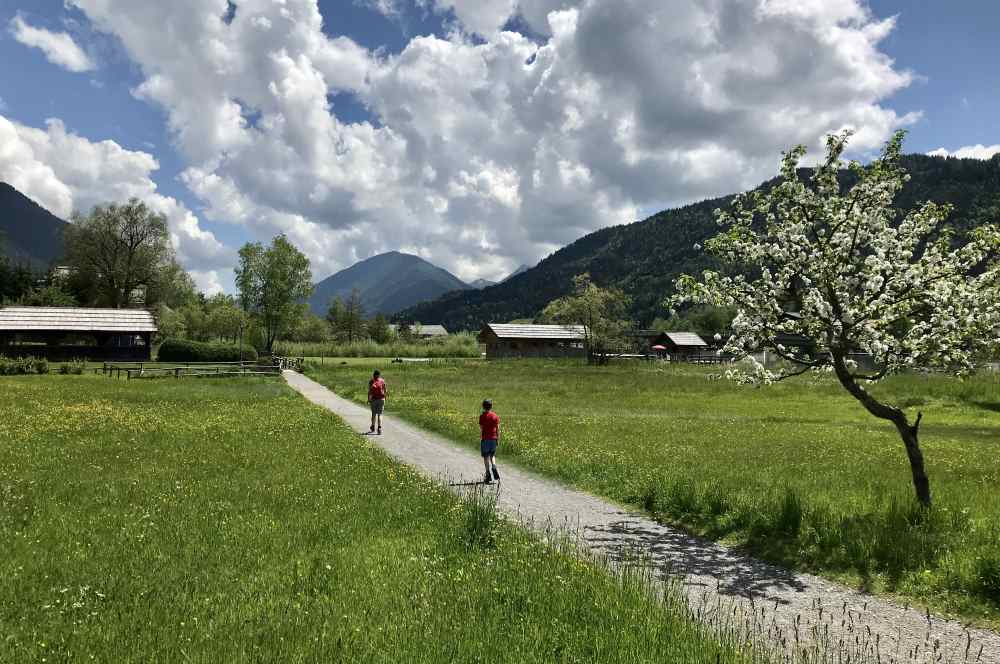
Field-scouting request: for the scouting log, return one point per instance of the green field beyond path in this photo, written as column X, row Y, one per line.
column 797, row 472
column 206, row 521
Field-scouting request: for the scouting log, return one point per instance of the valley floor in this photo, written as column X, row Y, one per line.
column 798, row 610
column 797, row 473
column 209, row 521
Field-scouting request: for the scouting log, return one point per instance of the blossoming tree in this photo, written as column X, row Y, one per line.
column 836, row 263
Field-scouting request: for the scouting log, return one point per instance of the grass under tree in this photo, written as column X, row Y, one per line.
column 206, row 521
column 796, row 472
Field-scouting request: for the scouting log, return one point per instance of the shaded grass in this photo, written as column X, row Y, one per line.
column 208, row 521
column 798, row 473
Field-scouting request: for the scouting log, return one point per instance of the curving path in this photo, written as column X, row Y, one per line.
column 789, row 608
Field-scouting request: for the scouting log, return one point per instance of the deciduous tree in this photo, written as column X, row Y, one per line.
column 601, row 311
column 119, row 251
column 827, row 257
column 273, row 282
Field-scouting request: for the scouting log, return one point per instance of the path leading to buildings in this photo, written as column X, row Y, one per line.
column 714, row 577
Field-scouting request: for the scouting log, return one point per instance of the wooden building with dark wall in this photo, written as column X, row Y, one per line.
column 63, row 333
column 684, row 345
column 511, row 340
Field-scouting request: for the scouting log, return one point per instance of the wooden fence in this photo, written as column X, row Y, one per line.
column 130, row 370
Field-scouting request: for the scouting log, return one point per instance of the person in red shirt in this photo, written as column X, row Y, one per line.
column 489, row 426
column 377, row 392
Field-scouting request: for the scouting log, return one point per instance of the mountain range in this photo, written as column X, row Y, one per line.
column 644, row 258
column 28, row 232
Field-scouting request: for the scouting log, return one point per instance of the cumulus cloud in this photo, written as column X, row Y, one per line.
column 64, row 173
column 491, row 152
column 58, row 47
column 977, row 151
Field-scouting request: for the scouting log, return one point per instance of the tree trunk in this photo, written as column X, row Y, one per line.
column 909, row 435
column 908, row 432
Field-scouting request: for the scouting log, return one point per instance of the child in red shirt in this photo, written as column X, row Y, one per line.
column 377, row 392
column 489, row 425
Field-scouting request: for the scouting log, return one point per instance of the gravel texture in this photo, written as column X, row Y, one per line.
column 790, row 609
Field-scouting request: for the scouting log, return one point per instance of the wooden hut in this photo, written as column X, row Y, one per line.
column 75, row 332
column 421, row 331
column 510, row 340
column 684, row 345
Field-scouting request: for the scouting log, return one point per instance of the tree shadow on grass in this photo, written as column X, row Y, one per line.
column 673, row 553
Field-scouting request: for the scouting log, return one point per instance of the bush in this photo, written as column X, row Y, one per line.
column 184, row 350
column 22, row 366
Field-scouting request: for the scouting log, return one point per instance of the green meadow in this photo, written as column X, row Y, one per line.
column 210, row 521
column 797, row 473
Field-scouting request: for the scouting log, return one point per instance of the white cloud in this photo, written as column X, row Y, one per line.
column 492, row 152
column 65, row 173
column 977, row 151
column 58, row 47
column 207, row 281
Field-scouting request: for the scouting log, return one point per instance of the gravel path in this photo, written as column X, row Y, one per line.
column 793, row 608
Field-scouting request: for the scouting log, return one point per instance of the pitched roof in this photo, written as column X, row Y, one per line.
column 686, row 339
column 431, row 331
column 555, row 332
column 423, row 330
column 75, row 319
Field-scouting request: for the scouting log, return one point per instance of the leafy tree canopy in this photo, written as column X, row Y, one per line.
column 273, row 282
column 119, row 254
column 600, row 310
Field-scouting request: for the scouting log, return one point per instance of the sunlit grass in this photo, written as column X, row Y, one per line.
column 798, row 472
column 207, row 521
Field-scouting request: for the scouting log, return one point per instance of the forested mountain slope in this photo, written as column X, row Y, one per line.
column 644, row 258
column 28, row 232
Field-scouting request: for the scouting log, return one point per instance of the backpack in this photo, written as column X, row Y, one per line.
column 377, row 389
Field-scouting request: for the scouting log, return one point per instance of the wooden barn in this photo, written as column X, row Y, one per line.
column 510, row 340
column 61, row 333
column 683, row 345
column 421, row 331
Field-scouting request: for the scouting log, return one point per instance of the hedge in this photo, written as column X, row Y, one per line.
column 183, row 350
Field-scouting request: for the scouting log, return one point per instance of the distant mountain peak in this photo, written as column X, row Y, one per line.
column 387, row 283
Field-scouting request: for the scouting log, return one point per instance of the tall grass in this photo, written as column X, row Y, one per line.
column 462, row 344
column 797, row 472
column 233, row 522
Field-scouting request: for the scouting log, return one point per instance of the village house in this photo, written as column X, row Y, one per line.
column 516, row 340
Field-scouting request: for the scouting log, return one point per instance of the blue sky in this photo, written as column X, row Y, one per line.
column 420, row 154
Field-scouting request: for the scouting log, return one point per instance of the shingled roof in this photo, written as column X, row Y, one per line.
column 554, row 332
column 75, row 319
column 686, row 339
